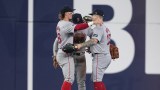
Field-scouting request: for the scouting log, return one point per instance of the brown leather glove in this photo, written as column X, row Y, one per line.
column 79, row 37
column 87, row 18
column 55, row 63
column 114, row 51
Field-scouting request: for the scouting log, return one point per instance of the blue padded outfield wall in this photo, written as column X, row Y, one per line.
column 134, row 25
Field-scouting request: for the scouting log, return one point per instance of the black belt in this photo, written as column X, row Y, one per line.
column 78, row 54
column 96, row 53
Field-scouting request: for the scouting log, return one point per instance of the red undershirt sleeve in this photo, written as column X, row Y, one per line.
column 81, row 26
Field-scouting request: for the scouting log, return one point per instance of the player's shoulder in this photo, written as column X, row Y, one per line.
column 63, row 23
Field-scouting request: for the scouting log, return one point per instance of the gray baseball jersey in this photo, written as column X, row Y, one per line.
column 103, row 35
column 65, row 30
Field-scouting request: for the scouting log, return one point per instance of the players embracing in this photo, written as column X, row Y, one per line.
column 99, row 45
column 65, row 30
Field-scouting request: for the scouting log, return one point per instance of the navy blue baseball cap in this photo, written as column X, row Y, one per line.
column 97, row 12
column 77, row 18
column 66, row 9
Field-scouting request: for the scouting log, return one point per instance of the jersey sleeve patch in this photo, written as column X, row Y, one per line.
column 95, row 35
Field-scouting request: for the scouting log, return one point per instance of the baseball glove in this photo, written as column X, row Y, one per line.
column 114, row 51
column 69, row 48
column 87, row 18
column 79, row 37
column 55, row 63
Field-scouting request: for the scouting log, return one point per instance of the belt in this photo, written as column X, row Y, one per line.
column 96, row 53
column 78, row 54
column 59, row 48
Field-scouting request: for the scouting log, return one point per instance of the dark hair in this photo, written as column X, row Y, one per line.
column 77, row 18
column 97, row 12
column 66, row 9
column 62, row 15
column 59, row 16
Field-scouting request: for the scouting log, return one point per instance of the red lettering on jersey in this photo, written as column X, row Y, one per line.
column 108, row 36
column 58, row 35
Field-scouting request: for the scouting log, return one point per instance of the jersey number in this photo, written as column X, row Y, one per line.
column 58, row 35
column 108, row 36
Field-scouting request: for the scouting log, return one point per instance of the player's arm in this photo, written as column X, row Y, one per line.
column 70, row 28
column 96, row 37
column 89, row 43
column 55, row 50
column 83, row 26
column 55, row 47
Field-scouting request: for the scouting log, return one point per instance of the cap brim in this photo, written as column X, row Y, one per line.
column 73, row 10
column 91, row 14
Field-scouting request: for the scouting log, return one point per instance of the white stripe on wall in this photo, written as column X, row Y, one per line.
column 30, row 46
column 152, row 48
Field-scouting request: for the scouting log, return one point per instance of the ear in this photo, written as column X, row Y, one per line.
column 66, row 13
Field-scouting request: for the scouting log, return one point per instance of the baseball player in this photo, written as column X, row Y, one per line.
column 78, row 56
column 99, row 47
column 65, row 30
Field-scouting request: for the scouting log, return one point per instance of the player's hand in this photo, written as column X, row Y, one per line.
column 55, row 63
column 78, row 46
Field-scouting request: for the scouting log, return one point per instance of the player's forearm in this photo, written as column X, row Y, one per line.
column 55, row 47
column 89, row 43
column 82, row 26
